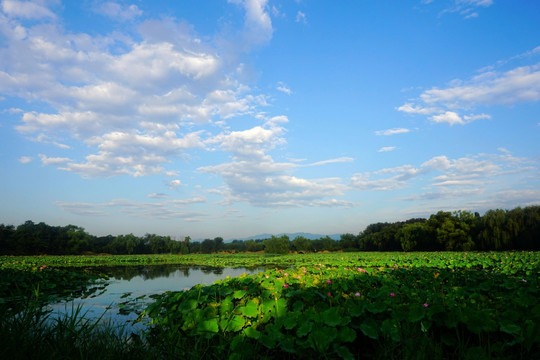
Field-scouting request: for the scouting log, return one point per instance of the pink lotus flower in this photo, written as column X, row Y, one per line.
column 392, row 294
column 328, row 281
column 357, row 294
column 285, row 285
column 425, row 304
column 329, row 294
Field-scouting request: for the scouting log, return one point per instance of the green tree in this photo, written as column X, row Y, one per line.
column 454, row 233
column 301, row 244
column 184, row 246
column 277, row 245
column 413, row 236
column 530, row 232
column 254, row 246
column 218, row 243
column 208, row 246
column 7, row 242
column 156, row 244
column 77, row 239
column 348, row 242
column 496, row 234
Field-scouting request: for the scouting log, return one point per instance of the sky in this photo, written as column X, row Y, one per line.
column 234, row 118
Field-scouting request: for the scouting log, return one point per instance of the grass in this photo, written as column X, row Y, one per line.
column 35, row 333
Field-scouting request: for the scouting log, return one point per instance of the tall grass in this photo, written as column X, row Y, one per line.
column 35, row 333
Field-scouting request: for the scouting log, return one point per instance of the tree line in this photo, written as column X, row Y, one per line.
column 516, row 229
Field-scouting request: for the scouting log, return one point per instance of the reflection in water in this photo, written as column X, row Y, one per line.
column 129, row 287
column 149, row 272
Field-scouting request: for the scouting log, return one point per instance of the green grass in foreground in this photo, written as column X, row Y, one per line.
column 32, row 332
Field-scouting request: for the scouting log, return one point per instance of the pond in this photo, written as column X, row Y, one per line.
column 126, row 292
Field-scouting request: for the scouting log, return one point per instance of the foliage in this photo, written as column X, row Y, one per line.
column 460, row 306
column 435, row 305
column 277, row 245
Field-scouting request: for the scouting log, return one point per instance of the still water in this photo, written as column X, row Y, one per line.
column 127, row 289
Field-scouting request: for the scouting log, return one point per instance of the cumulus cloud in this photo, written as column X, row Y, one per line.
column 449, row 117
column 173, row 184
column 118, row 11
column 437, row 163
column 253, row 176
column 466, row 174
column 258, row 25
column 416, row 109
column 131, row 103
column 45, row 160
column 521, row 84
column 25, row 159
column 27, row 9
column 387, row 149
column 488, row 88
column 380, row 181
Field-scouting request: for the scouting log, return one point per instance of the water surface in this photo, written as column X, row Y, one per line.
column 127, row 290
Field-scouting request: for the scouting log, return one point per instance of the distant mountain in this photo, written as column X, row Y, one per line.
column 290, row 235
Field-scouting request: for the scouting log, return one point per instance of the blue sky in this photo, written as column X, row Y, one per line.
column 234, row 118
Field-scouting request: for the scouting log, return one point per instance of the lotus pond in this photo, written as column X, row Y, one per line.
column 335, row 305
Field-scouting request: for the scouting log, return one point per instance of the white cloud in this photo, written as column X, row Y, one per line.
column 472, row 173
column 415, row 109
column 173, row 184
column 284, row 88
column 473, row 117
column 134, row 103
column 521, row 84
column 386, row 149
column 393, row 131
column 466, row 8
column 158, row 196
column 53, row 160
column 484, row 3
column 25, row 159
column 449, row 117
column 250, row 143
column 26, row 9
column 488, row 88
column 378, row 181
column 332, row 161
column 255, row 177
column 438, row 163
column 183, row 202
column 167, row 209
column 301, row 17
column 44, row 139
column 118, row 11
column 258, row 25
